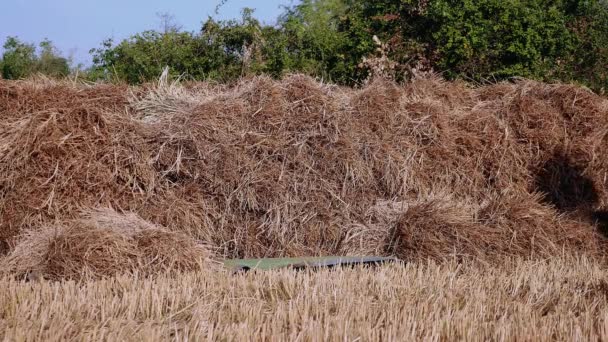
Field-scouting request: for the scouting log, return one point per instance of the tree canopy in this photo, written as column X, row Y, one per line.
column 21, row 59
column 345, row 41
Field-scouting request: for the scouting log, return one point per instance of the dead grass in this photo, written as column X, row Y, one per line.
column 428, row 169
column 102, row 243
column 557, row 299
column 495, row 196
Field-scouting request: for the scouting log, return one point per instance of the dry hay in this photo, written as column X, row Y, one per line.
column 562, row 298
column 102, row 243
column 297, row 167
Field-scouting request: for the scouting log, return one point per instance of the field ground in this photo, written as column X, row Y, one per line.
column 116, row 202
column 562, row 299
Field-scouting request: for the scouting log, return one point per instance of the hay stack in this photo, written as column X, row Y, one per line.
column 102, row 243
column 296, row 167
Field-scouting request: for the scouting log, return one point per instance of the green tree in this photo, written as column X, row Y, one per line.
column 143, row 56
column 488, row 39
column 587, row 63
column 236, row 44
column 314, row 42
column 222, row 50
column 500, row 38
column 18, row 59
column 50, row 62
column 472, row 39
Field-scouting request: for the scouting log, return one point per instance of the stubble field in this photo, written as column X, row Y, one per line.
column 116, row 204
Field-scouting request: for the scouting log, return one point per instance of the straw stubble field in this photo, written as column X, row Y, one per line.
column 495, row 197
column 561, row 299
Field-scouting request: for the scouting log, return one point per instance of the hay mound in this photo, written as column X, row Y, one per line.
column 438, row 225
column 102, row 243
column 428, row 169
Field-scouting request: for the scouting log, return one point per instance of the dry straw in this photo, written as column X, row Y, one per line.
column 298, row 167
column 102, row 243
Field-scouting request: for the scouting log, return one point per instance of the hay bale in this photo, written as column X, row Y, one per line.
column 292, row 167
column 103, row 243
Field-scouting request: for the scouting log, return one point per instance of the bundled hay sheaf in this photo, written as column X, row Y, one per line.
column 298, row 167
column 102, row 243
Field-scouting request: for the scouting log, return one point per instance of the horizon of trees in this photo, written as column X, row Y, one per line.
column 348, row 41
column 21, row 59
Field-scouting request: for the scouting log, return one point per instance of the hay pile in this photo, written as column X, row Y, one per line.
column 102, row 243
column 296, row 167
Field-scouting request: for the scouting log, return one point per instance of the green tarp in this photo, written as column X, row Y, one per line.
column 300, row 263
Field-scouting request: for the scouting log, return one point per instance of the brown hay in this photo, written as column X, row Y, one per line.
column 292, row 167
column 102, row 243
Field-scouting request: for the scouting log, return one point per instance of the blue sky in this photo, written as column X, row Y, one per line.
column 76, row 26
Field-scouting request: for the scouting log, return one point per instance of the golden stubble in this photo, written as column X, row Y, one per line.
column 560, row 299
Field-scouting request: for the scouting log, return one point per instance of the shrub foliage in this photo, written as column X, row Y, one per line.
column 334, row 39
column 21, row 59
